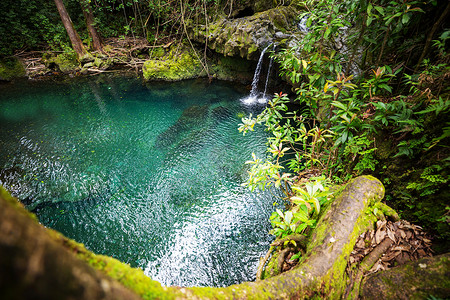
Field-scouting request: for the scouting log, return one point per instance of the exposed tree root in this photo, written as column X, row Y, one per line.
column 300, row 245
column 366, row 265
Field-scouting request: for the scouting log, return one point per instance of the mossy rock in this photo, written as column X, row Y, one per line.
column 157, row 52
column 174, row 66
column 246, row 36
column 233, row 69
column 65, row 62
column 427, row 278
column 11, row 68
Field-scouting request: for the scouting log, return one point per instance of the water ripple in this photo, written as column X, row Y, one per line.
column 149, row 175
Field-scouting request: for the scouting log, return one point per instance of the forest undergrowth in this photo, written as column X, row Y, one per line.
column 376, row 104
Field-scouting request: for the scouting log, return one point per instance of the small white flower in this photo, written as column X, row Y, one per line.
column 332, row 240
column 422, row 266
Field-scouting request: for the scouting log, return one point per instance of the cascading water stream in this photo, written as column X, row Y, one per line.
column 254, row 94
column 268, row 73
column 302, row 24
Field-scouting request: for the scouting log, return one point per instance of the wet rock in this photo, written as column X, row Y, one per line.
column 245, row 36
column 65, row 62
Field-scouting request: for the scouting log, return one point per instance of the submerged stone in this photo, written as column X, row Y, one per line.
column 192, row 118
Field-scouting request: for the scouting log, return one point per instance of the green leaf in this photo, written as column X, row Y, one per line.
column 369, row 9
column 304, row 64
column 386, row 87
column 405, row 18
column 344, row 136
column 316, row 205
column 288, row 217
column 280, row 213
column 339, row 105
column 295, row 256
column 292, row 227
column 380, row 9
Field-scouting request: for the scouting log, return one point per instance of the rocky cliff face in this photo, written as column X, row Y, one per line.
column 247, row 36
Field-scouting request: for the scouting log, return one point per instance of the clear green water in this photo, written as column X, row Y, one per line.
column 149, row 174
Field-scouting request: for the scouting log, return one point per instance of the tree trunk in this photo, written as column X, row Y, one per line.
column 431, row 34
column 89, row 16
column 73, row 35
column 35, row 266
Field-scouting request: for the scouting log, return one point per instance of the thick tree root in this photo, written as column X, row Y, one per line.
column 262, row 263
column 34, row 266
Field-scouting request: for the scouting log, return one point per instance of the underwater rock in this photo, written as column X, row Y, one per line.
column 191, row 118
column 221, row 113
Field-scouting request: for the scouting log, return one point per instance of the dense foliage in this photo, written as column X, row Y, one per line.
column 372, row 96
column 36, row 25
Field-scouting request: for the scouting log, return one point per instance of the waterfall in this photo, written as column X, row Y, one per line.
column 254, row 92
column 268, row 73
column 302, row 24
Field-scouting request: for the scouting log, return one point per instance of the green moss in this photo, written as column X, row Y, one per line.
column 333, row 283
column 236, row 37
column 65, row 62
column 233, row 68
column 98, row 62
column 4, row 194
column 157, row 52
column 132, row 278
column 414, row 280
column 11, row 68
column 173, row 66
column 383, row 211
column 271, row 268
